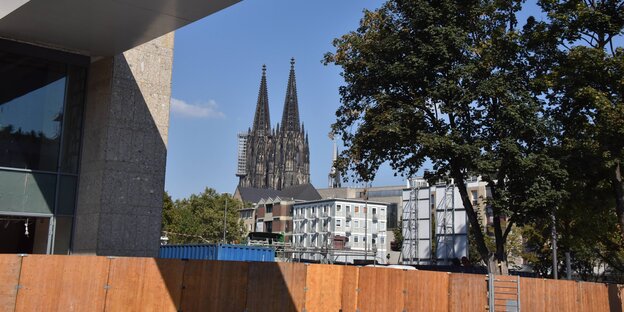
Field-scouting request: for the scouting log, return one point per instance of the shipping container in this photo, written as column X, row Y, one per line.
column 218, row 252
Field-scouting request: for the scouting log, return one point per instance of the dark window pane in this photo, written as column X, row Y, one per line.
column 27, row 192
column 66, row 195
column 72, row 129
column 31, row 106
column 62, row 235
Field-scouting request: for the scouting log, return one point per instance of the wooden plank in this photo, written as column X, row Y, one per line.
column 296, row 286
column 285, row 292
column 62, row 283
column 467, row 292
column 214, row 286
column 144, row 284
column 532, row 294
column 381, row 289
column 350, row 278
column 560, row 296
column 426, row 291
column 593, row 297
column 323, row 288
column 9, row 278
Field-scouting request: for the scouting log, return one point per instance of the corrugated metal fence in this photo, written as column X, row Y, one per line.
column 90, row 283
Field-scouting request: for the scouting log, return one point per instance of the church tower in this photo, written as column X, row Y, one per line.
column 275, row 158
column 292, row 141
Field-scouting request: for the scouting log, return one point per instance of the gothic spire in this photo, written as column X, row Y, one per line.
column 262, row 119
column 290, row 116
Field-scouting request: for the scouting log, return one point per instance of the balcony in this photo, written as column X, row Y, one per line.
column 325, row 215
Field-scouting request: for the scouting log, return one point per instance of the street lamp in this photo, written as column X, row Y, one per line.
column 224, row 218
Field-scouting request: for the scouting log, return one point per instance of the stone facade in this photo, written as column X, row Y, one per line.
column 124, row 152
column 280, row 157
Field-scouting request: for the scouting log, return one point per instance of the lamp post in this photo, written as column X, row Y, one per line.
column 365, row 223
column 224, row 218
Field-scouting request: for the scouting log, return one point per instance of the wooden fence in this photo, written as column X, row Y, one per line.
column 90, row 283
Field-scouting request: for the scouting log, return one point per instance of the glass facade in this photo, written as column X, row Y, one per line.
column 41, row 109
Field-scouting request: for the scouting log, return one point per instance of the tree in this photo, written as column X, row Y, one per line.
column 585, row 89
column 448, row 81
column 199, row 218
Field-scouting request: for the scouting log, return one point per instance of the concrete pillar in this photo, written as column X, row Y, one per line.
column 122, row 174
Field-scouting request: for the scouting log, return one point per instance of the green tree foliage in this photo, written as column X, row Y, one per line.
column 449, row 81
column 584, row 85
column 199, row 218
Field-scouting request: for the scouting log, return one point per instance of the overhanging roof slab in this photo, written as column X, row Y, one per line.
column 100, row 27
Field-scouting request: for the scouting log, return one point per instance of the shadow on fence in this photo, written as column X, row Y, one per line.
column 91, row 283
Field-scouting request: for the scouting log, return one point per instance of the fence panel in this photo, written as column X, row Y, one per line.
column 593, row 297
column 214, row 286
column 144, row 284
column 468, row 292
column 560, row 296
column 9, row 279
column 275, row 286
column 381, row 289
column 62, row 283
column 532, row 294
column 324, row 288
column 426, row 291
column 350, row 278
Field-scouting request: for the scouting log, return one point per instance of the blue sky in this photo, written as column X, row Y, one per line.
column 216, row 76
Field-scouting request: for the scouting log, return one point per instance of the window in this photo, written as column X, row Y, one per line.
column 382, row 240
column 348, row 223
column 338, row 207
column 356, row 223
column 382, row 225
column 269, row 209
column 374, row 210
column 313, row 210
column 355, row 239
column 348, row 208
column 382, row 210
column 356, row 209
column 338, row 223
column 475, row 197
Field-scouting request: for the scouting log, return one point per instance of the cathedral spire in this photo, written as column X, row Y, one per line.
column 290, row 116
column 262, row 119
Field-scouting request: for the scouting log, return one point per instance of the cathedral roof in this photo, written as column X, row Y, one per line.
column 297, row 192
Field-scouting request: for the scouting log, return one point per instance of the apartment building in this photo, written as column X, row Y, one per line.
column 340, row 230
column 274, row 215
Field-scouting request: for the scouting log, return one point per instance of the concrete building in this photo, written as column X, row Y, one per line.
column 84, row 116
column 340, row 230
column 248, row 216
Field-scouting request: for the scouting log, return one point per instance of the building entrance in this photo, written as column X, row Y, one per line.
column 24, row 234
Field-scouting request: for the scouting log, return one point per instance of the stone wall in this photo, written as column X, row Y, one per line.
column 124, row 152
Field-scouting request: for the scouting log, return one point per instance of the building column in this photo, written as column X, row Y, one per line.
column 122, row 174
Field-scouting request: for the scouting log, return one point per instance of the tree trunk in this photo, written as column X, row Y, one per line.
column 500, row 256
column 472, row 217
column 618, row 187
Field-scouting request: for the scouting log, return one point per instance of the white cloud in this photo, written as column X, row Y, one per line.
column 201, row 110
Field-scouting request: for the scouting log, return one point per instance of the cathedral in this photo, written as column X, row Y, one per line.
column 274, row 158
